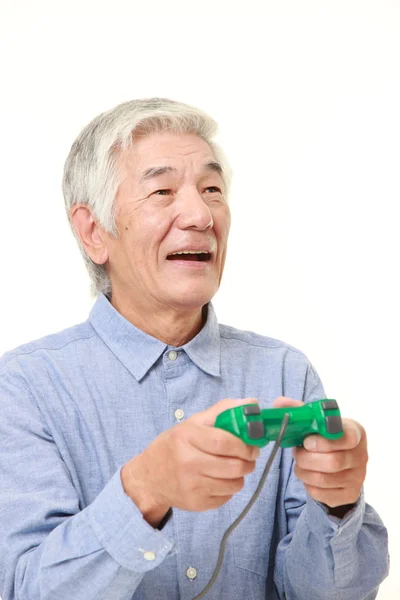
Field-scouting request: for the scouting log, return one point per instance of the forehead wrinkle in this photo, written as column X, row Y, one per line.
column 153, row 172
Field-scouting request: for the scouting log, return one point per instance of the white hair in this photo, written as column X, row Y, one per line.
column 92, row 174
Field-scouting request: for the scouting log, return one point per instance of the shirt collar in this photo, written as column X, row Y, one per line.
column 139, row 351
column 205, row 348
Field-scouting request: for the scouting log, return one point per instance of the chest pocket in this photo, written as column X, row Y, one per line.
column 251, row 539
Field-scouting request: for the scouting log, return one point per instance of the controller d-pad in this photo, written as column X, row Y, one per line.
column 330, row 405
column 253, row 409
column 333, row 424
column 255, row 430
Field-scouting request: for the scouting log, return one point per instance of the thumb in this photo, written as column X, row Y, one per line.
column 284, row 402
column 209, row 416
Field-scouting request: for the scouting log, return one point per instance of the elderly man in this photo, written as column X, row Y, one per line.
column 115, row 484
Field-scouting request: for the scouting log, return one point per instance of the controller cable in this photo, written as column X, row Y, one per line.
column 246, row 509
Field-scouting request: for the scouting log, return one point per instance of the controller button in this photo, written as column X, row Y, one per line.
column 330, row 405
column 253, row 409
column 333, row 424
column 255, row 430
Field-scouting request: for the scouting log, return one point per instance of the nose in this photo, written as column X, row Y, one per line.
column 194, row 213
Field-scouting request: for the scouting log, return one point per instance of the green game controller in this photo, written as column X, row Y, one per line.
column 258, row 427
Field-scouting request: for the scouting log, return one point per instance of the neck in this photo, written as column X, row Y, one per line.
column 173, row 327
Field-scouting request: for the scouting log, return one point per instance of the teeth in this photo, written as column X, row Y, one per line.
column 189, row 252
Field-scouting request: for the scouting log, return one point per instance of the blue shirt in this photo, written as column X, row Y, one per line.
column 77, row 405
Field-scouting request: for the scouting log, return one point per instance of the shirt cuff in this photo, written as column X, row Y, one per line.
column 334, row 530
column 165, row 519
column 124, row 533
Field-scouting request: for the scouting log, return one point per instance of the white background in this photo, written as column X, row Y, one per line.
column 307, row 96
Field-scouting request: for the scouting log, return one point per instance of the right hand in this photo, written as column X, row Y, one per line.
column 192, row 466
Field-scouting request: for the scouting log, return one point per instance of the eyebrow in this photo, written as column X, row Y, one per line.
column 152, row 172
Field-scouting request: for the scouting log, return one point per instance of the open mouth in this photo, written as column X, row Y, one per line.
column 190, row 256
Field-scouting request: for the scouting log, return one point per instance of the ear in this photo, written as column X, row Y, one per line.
column 90, row 233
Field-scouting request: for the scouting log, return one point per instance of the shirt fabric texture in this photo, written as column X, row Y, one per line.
column 77, row 405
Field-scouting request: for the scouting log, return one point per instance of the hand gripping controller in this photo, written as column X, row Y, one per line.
column 258, row 427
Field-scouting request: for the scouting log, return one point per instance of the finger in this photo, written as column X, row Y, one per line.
column 218, row 442
column 283, row 402
column 209, row 416
column 334, row 497
column 217, row 501
column 342, row 479
column 352, row 436
column 225, row 467
column 222, row 487
column 329, row 462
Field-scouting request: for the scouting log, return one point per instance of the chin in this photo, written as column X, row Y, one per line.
column 190, row 299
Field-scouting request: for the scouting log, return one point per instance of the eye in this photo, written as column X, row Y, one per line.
column 214, row 187
column 162, row 194
column 165, row 192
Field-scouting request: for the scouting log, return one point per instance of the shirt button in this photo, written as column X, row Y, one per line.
column 149, row 556
column 172, row 355
column 179, row 414
column 191, row 572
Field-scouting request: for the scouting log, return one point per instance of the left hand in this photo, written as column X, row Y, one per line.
column 332, row 471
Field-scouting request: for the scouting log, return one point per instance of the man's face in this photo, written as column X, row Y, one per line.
column 181, row 208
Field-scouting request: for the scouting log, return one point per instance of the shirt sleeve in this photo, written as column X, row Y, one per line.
column 48, row 545
column 323, row 557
